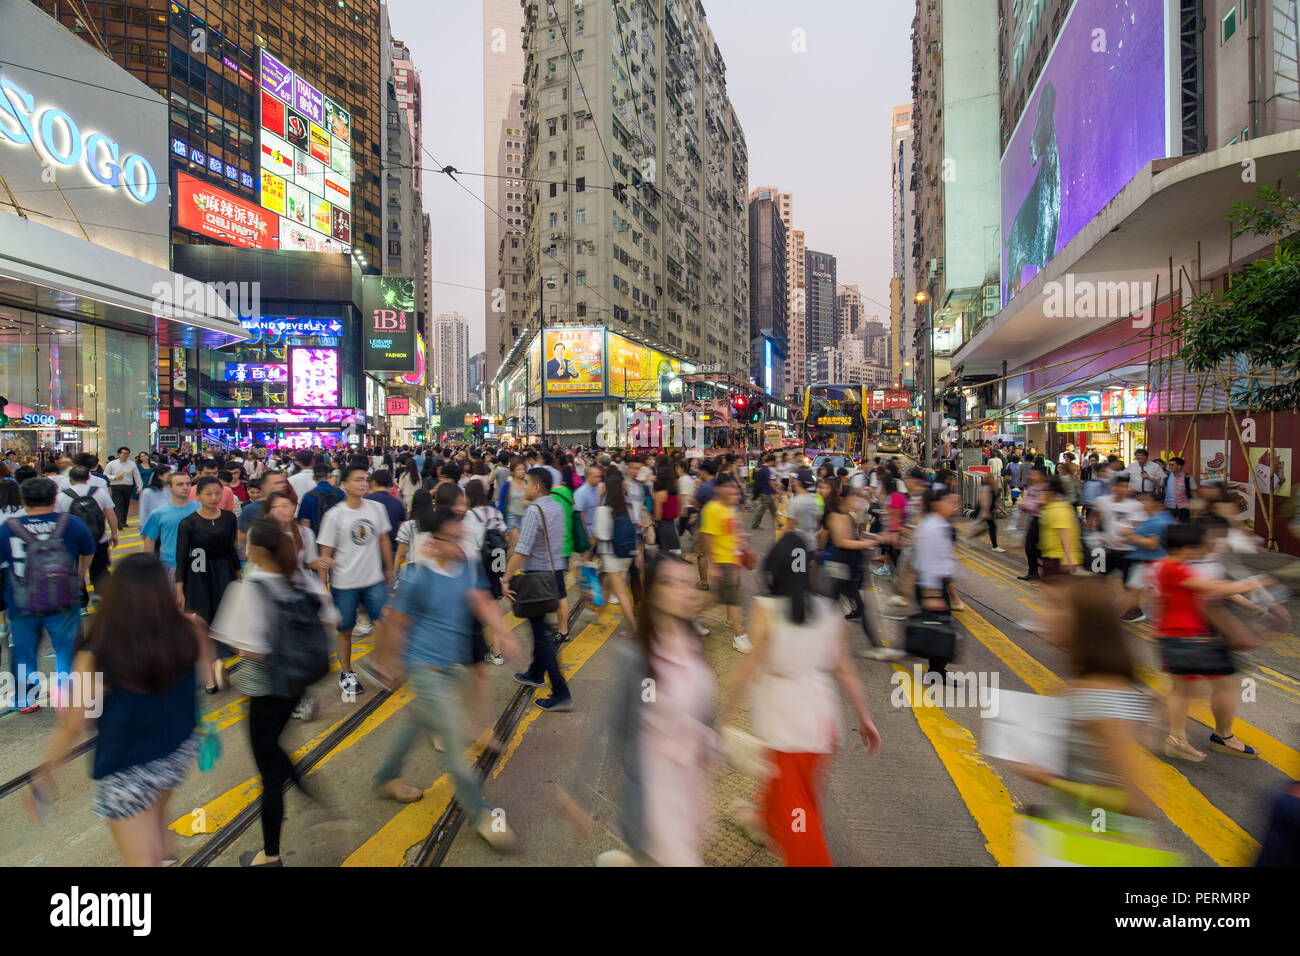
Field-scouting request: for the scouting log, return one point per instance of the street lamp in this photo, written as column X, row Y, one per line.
column 929, row 370
column 541, row 347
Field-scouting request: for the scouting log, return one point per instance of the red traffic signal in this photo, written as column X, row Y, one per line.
column 738, row 403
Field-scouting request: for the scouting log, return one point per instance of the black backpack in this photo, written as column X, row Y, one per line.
column 324, row 502
column 88, row 510
column 299, row 646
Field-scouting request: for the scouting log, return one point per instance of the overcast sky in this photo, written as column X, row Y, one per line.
column 816, row 123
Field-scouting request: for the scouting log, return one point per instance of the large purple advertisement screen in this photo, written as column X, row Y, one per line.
column 1096, row 117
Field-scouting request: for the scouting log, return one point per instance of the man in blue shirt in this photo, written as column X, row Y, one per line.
column 62, row 625
column 313, row 505
column 764, row 494
column 704, row 492
column 381, row 484
column 587, row 499
column 1148, row 541
column 166, row 520
column 434, row 612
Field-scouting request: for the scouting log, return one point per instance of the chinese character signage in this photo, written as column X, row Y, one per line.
column 575, row 362
column 306, row 161
column 224, row 216
column 1078, row 407
column 246, row 372
column 388, row 324
column 314, row 377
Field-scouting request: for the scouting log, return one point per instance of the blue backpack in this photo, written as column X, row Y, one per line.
column 624, row 537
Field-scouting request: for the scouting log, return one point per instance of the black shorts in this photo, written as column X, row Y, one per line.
column 1118, row 561
column 480, row 649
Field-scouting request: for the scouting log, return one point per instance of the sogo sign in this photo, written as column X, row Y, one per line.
column 61, row 140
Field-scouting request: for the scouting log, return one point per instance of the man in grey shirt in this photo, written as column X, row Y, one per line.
column 801, row 511
column 531, row 554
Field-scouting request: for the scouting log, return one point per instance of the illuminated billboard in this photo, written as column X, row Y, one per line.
column 306, row 160
column 246, row 372
column 1097, row 115
column 638, row 372
column 397, row 405
column 417, row 377
column 1078, row 407
column 313, row 377
column 388, row 324
column 223, row 216
column 277, row 416
column 575, row 362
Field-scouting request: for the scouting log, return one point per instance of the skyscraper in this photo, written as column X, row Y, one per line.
column 449, row 360
column 903, row 230
column 767, row 292
column 796, row 365
column 819, row 271
column 503, row 116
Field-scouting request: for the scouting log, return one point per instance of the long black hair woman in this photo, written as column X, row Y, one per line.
column 145, row 650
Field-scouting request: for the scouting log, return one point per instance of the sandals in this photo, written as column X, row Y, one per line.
column 1220, row 745
column 1181, row 750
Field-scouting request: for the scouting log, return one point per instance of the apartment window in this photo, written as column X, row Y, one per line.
column 550, row 127
column 552, row 190
column 580, row 277
column 580, row 121
column 579, row 216
column 552, row 220
column 514, row 243
column 577, row 56
column 551, row 157
column 580, row 152
column 394, row 247
column 1228, row 25
column 552, row 98
column 582, row 310
column 514, row 296
column 550, row 68
column 580, row 184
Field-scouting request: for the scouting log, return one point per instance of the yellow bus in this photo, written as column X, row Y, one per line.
column 834, row 420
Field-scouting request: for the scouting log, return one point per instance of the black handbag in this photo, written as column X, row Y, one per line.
column 930, row 634
column 1206, row 656
column 536, row 593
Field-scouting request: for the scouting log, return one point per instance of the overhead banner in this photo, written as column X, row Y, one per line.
column 889, row 398
column 388, row 324
column 575, row 362
column 637, row 371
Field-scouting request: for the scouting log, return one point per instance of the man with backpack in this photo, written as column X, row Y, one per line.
column 1178, row 490
column 316, row 503
column 46, row 556
column 94, row 507
column 575, row 535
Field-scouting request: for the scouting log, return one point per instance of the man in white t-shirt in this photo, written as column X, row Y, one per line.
column 357, row 555
column 304, row 479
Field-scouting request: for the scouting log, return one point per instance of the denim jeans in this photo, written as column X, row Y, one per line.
column 25, row 631
column 436, row 710
column 545, row 663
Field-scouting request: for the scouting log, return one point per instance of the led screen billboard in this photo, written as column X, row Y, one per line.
column 313, row 377
column 1097, row 115
column 306, row 160
column 388, row 324
column 638, row 372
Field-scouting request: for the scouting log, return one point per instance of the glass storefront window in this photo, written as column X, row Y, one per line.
column 83, row 387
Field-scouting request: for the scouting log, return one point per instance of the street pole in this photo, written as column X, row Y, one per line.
column 541, row 351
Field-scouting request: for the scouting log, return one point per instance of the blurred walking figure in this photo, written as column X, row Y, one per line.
column 799, row 655
column 147, row 650
column 432, row 623
column 658, row 725
column 985, row 520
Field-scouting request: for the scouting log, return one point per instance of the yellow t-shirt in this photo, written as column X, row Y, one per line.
column 1051, row 520
column 719, row 523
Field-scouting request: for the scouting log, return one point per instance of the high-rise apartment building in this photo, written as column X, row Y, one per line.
column 508, row 309
column 820, row 286
column 202, row 57
column 503, row 68
column 796, row 367
column 405, row 250
column 768, row 301
column 474, row 375
column 903, row 230
column 848, row 311
column 638, row 176
column 957, row 259
column 449, row 358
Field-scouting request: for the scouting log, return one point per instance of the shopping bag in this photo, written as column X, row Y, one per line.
column 591, row 591
column 1046, row 838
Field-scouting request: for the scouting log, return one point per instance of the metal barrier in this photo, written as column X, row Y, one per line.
column 970, row 492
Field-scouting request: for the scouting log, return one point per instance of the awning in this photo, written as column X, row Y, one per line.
column 1171, row 208
column 53, row 272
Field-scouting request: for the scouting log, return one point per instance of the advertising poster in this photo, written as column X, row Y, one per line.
column 388, row 323
column 297, row 204
column 340, row 158
column 1214, row 461
column 1075, row 146
column 306, row 239
column 297, row 131
column 416, row 378
column 337, row 189
column 320, row 143
column 575, row 362
column 273, row 111
column 313, row 377
column 223, row 216
column 398, row 406
column 277, row 156
column 535, row 365
column 245, row 372
column 338, row 122
column 272, row 192
column 1270, row 470
column 636, row 371
column 340, row 225
column 309, row 173
column 320, row 216
column 276, row 77
column 308, row 100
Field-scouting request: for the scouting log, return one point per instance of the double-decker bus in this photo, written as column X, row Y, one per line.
column 834, row 420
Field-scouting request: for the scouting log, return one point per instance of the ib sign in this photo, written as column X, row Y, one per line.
column 63, row 142
column 388, row 321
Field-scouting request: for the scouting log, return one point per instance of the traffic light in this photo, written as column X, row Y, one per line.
column 739, row 407
column 755, row 411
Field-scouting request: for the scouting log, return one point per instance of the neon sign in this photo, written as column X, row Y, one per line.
column 291, row 326
column 60, row 140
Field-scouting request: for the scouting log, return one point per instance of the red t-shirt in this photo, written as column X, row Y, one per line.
column 1180, row 606
column 898, row 510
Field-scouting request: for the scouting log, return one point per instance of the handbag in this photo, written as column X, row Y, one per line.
column 930, row 634
column 209, row 745
column 536, row 594
column 1205, row 656
column 1044, row 837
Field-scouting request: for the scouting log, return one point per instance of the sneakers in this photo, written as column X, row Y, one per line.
column 495, row 657
column 883, row 571
column 495, row 832
column 999, row 550
column 741, row 643
column 1132, row 617
column 554, row 704
column 613, row 600
column 362, row 629
column 700, row 629
column 615, row 858
column 897, row 600
column 305, row 710
column 528, row 681
column 349, row 684
column 401, row 792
